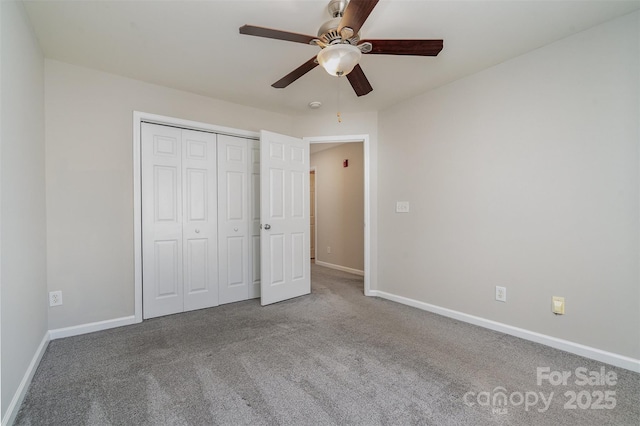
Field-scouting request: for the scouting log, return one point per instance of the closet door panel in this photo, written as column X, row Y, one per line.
column 167, row 268
column 236, row 254
column 162, row 243
column 200, row 220
column 233, row 218
column 197, row 268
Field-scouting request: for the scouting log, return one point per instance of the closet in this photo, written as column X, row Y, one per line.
column 200, row 219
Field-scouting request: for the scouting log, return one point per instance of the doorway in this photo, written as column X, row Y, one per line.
column 338, row 167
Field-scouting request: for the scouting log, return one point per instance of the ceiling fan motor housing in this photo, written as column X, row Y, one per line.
column 328, row 33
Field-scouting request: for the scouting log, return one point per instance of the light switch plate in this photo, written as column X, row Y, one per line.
column 557, row 305
column 402, row 207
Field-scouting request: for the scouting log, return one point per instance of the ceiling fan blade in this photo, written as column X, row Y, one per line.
column 356, row 13
column 359, row 81
column 296, row 74
column 275, row 34
column 405, row 47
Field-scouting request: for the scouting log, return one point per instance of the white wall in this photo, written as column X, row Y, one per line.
column 340, row 205
column 525, row 175
column 89, row 119
column 23, row 256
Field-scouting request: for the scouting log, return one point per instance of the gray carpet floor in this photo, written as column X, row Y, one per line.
column 333, row 357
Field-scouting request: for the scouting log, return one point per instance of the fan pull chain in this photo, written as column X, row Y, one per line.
column 338, row 103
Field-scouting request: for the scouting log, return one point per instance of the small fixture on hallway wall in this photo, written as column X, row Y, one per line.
column 315, row 104
column 345, row 163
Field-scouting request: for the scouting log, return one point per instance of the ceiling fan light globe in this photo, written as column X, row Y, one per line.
column 339, row 59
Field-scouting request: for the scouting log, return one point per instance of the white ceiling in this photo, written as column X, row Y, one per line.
column 195, row 45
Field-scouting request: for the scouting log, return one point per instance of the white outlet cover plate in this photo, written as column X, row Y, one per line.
column 402, row 207
column 55, row 298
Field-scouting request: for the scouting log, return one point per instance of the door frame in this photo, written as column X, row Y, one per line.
column 315, row 209
column 139, row 117
column 368, row 231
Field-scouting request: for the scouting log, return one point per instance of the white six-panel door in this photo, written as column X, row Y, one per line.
column 200, row 219
column 179, row 220
column 239, row 218
column 233, row 213
column 284, row 179
column 162, row 220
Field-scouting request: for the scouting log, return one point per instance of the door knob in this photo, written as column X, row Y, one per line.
column 267, row 226
column 197, row 231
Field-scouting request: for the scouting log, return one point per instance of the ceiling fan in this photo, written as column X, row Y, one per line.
column 341, row 46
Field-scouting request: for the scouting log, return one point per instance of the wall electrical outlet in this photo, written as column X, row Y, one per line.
column 402, row 207
column 55, row 298
column 329, row 250
column 501, row 294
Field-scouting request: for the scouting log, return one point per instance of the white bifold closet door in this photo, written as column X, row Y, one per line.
column 179, row 220
column 238, row 218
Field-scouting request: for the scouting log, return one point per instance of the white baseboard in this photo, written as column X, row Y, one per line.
column 565, row 345
column 18, row 397
column 77, row 330
column 340, row 268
